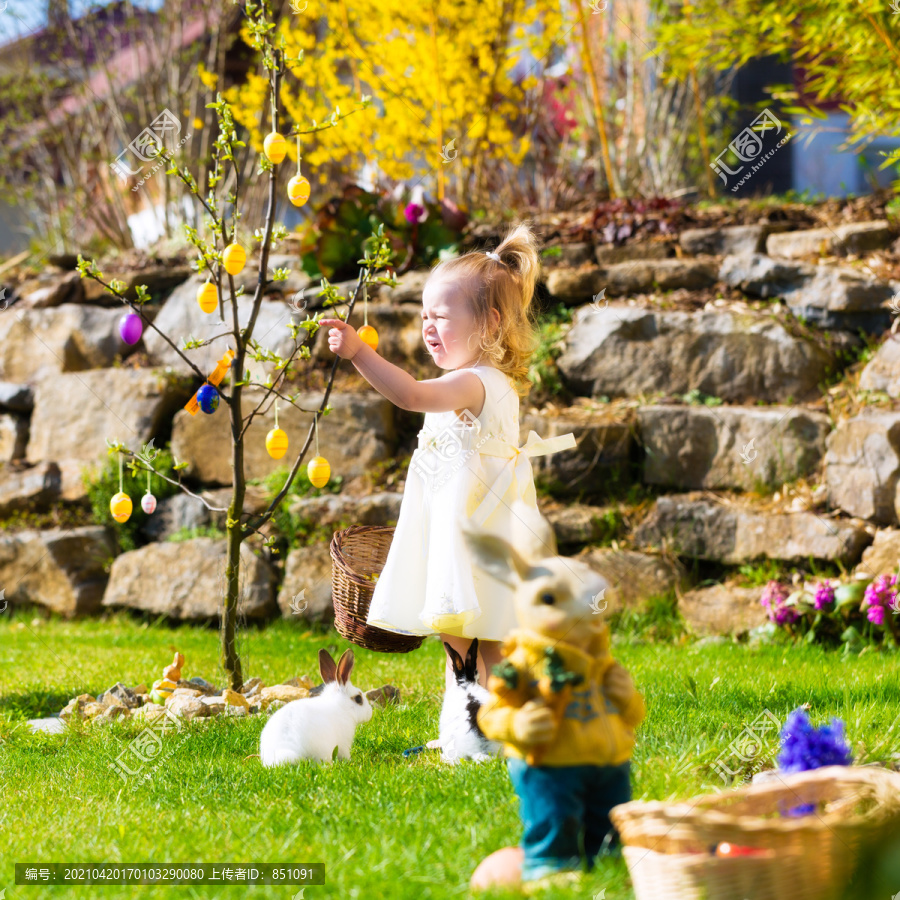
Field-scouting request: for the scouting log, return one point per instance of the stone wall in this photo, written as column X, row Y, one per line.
column 697, row 367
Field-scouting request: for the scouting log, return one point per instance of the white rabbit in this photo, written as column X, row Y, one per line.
column 460, row 736
column 312, row 727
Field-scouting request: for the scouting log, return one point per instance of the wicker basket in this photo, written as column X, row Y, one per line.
column 667, row 845
column 357, row 552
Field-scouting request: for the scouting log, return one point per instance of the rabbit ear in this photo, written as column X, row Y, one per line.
column 472, row 661
column 459, row 670
column 344, row 666
column 327, row 668
column 532, row 533
column 497, row 556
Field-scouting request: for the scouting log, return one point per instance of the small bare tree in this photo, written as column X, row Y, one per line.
column 240, row 525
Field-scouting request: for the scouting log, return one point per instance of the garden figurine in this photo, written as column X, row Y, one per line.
column 173, row 672
column 564, row 709
column 162, row 688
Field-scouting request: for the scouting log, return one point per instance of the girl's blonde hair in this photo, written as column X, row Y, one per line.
column 508, row 287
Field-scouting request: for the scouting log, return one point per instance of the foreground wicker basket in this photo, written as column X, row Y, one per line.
column 358, row 553
column 667, row 845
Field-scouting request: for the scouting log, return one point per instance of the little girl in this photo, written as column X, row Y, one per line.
column 477, row 322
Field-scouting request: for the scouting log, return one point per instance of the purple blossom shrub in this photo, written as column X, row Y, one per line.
column 773, row 598
column 414, row 213
column 881, row 594
column 824, row 597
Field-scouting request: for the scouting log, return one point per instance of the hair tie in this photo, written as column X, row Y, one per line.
column 493, row 255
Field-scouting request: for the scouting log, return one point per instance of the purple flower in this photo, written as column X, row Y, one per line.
column 773, row 598
column 824, row 598
column 880, row 593
column 414, row 213
column 774, row 592
column 805, row 747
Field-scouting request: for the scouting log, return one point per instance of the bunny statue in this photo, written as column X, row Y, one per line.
column 564, row 710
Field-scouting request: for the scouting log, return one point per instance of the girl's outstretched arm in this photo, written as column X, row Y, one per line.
column 458, row 389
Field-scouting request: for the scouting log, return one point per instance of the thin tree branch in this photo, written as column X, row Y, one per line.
column 165, row 337
column 178, row 484
column 265, row 516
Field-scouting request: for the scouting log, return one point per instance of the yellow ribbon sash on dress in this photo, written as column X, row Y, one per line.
column 518, row 468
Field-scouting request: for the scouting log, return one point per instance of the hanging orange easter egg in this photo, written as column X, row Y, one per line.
column 298, row 190
column 275, row 147
column 208, row 297
column 318, row 471
column 276, row 443
column 234, row 258
column 369, row 336
column 120, row 507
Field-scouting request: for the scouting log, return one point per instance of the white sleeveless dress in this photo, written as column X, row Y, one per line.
column 468, row 467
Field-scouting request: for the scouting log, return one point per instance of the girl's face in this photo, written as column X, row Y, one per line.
column 448, row 326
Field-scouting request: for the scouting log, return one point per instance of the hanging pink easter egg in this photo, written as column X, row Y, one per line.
column 148, row 503
column 131, row 328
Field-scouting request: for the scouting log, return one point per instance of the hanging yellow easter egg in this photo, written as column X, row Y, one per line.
column 276, row 443
column 298, row 190
column 275, row 147
column 369, row 336
column 318, row 471
column 234, row 258
column 120, row 507
column 208, row 297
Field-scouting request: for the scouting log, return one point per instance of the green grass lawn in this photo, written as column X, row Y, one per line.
column 384, row 826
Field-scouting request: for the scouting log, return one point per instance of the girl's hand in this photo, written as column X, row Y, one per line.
column 342, row 338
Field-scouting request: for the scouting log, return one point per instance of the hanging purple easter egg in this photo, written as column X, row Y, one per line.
column 131, row 328
column 148, row 503
column 208, row 398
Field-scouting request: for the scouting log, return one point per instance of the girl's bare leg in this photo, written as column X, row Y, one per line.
column 489, row 655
